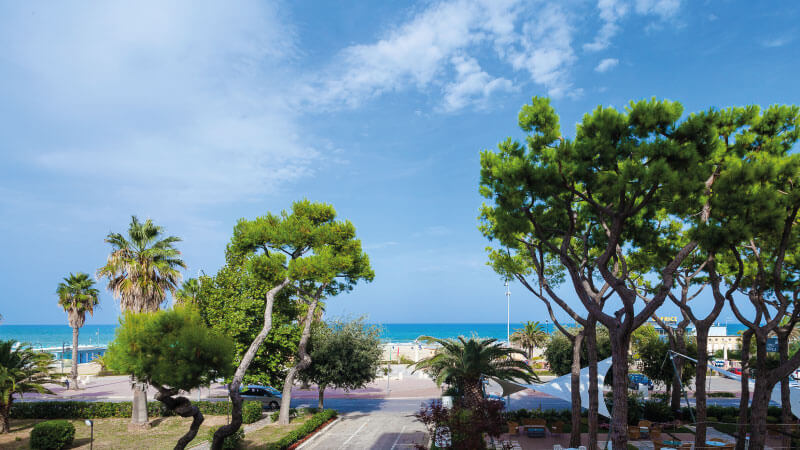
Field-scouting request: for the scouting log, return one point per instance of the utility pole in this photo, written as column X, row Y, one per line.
column 508, row 309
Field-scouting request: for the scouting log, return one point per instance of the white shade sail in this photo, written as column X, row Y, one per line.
column 561, row 387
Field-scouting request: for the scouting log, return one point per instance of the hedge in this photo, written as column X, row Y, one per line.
column 308, row 427
column 52, row 435
column 251, row 412
column 99, row 410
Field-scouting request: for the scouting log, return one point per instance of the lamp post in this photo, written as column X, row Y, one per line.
column 547, row 325
column 90, row 424
column 508, row 309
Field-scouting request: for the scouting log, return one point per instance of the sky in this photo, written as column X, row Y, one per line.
column 196, row 114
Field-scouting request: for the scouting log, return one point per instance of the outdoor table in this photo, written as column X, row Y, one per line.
column 673, row 443
column 644, row 432
column 715, row 444
column 535, row 430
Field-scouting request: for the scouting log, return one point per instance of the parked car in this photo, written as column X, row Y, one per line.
column 796, row 374
column 267, row 395
column 736, row 370
column 635, row 379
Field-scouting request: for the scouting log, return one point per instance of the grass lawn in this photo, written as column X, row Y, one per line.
column 271, row 433
column 113, row 433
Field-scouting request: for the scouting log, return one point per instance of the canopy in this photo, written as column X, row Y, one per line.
column 561, row 387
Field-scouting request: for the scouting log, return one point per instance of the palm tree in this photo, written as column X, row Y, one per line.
column 188, row 292
column 143, row 267
column 21, row 370
column 77, row 296
column 463, row 363
column 529, row 337
column 140, row 271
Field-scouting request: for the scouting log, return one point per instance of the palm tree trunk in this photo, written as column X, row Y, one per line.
column 473, row 393
column 74, row 370
column 5, row 415
column 303, row 360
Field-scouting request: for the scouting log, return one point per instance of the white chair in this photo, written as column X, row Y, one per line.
column 557, row 447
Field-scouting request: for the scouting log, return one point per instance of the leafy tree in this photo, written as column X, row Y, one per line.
column 140, row 270
column 531, row 335
column 343, row 354
column 464, row 363
column 22, row 370
column 173, row 351
column 232, row 303
column 642, row 336
column 466, row 427
column 584, row 204
column 558, row 352
column 306, row 250
column 654, row 361
column 77, row 296
column 188, row 292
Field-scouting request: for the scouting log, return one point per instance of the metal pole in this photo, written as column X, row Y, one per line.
column 508, row 321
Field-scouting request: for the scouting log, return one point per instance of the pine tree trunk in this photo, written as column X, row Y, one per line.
column 700, row 382
column 233, row 388
column 303, row 360
column 761, row 394
column 680, row 347
column 619, row 419
column 594, row 390
column 744, row 402
column 786, row 407
column 575, row 379
column 184, row 408
column 74, row 370
column 321, row 404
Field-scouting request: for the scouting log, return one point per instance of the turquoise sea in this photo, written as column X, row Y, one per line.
column 56, row 335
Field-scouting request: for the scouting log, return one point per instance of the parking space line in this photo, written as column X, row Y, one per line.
column 344, row 444
column 399, row 435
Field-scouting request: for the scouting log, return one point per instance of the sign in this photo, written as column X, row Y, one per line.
column 772, row 345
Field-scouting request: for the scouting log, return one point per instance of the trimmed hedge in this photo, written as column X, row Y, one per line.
column 52, row 435
column 251, row 412
column 99, row 410
column 304, row 430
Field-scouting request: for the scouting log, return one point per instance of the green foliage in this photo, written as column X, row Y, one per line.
column 657, row 411
column 77, row 296
column 251, row 412
column 22, row 370
column 232, row 303
column 231, row 442
column 101, row 410
column 558, row 351
column 142, row 267
column 308, row 427
column 52, row 435
column 530, row 336
column 343, row 354
column 641, row 336
column 170, row 348
column 188, row 292
column 653, row 354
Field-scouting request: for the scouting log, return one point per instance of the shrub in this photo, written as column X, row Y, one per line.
column 657, row 411
column 304, row 430
column 722, row 394
column 53, row 434
column 728, row 419
column 292, row 413
column 231, row 442
column 100, row 410
column 773, row 420
column 251, row 412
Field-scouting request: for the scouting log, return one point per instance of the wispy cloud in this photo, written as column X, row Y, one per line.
column 776, row 42
column 606, row 65
column 472, row 85
column 179, row 101
column 612, row 12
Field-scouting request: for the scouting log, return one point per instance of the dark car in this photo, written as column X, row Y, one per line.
column 268, row 396
column 635, row 379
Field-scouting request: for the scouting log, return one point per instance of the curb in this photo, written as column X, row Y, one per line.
column 318, row 432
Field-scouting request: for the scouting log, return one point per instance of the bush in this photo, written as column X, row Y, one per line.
column 292, row 414
column 304, row 430
column 231, row 442
column 657, row 411
column 100, row 410
column 251, row 412
column 53, row 434
column 722, row 394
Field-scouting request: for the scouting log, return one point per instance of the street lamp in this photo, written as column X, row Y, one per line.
column 90, row 424
column 508, row 309
column 547, row 325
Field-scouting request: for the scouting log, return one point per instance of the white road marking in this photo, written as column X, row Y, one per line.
column 398, row 437
column 344, row 444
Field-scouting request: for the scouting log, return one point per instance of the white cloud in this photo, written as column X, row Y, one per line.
column 776, row 42
column 612, row 12
column 472, row 85
column 178, row 101
column 606, row 65
column 439, row 41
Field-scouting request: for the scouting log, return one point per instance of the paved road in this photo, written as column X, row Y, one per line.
column 376, row 430
column 367, row 405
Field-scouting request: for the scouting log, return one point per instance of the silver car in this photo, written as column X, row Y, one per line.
column 268, row 396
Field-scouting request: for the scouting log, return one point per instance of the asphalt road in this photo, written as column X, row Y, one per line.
column 375, row 430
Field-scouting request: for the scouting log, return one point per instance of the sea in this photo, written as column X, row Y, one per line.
column 49, row 336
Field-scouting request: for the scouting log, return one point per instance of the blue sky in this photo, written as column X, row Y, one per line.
column 198, row 113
